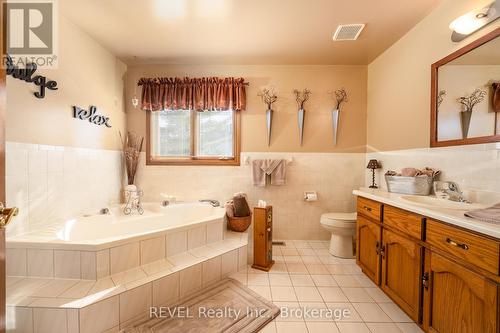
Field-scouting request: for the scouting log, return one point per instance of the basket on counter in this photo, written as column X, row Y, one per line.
column 239, row 224
column 409, row 185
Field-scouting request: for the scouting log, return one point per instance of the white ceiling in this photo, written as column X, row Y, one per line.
column 244, row 31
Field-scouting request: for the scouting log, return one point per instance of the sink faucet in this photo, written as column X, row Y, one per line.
column 214, row 203
column 449, row 190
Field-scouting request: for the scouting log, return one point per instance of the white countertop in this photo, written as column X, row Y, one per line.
column 455, row 217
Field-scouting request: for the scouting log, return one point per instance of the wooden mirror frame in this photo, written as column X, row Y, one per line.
column 434, row 86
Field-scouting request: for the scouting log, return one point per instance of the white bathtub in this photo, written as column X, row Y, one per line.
column 95, row 232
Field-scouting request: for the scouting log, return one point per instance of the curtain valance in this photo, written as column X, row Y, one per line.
column 200, row 94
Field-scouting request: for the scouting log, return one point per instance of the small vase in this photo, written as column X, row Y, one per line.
column 465, row 117
column 301, row 118
column 335, row 125
column 269, row 124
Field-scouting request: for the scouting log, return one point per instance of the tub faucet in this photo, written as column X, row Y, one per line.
column 214, row 203
column 104, row 211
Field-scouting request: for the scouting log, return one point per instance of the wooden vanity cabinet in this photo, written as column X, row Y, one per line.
column 368, row 236
column 458, row 299
column 402, row 271
column 445, row 278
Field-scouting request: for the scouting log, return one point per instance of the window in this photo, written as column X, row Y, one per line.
column 191, row 137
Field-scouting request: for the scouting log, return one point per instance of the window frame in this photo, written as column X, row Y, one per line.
column 195, row 160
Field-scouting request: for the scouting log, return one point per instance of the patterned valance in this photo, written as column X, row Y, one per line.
column 200, row 94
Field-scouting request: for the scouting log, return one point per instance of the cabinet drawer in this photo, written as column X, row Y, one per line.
column 406, row 222
column 479, row 251
column 370, row 208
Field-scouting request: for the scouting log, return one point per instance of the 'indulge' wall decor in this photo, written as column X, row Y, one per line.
column 26, row 74
column 90, row 115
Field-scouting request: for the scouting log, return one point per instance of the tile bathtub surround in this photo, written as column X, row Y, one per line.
column 332, row 175
column 471, row 166
column 56, row 182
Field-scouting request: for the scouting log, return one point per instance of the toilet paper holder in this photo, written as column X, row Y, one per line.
column 310, row 196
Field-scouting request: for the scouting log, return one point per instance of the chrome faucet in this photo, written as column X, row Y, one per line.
column 449, row 190
column 214, row 203
column 104, row 211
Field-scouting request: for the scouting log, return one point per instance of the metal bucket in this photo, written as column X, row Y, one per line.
column 409, row 185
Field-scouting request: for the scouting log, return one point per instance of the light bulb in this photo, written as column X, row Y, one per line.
column 468, row 23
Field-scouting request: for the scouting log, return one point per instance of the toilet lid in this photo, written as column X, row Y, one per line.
column 346, row 217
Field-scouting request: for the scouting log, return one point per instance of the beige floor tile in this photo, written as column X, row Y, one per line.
column 371, row 312
column 316, row 311
column 292, row 259
column 317, row 269
column 278, row 268
column 310, row 259
column 364, row 281
column 346, row 281
column 321, row 327
column 287, row 251
column 395, row 313
column 324, row 280
column 297, row 269
column 378, row 295
column 306, row 252
column 308, row 294
column 357, row 295
column 344, row 312
column 290, row 311
column 302, row 280
column 280, row 280
column 263, row 291
column 252, row 270
column 322, row 252
column 301, row 244
column 353, row 328
column 240, row 277
column 283, row 294
column 332, row 294
column 258, row 279
column 291, row 327
column 409, row 328
column 383, row 328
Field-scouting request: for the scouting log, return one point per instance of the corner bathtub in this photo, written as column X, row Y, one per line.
column 94, row 246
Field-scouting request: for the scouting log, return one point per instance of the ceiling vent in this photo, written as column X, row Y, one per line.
column 348, row 32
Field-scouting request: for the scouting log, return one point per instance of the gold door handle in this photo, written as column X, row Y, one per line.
column 6, row 215
column 460, row 245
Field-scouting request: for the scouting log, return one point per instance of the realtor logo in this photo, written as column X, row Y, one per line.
column 30, row 32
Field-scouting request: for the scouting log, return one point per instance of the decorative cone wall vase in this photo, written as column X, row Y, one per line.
column 301, row 117
column 465, row 117
column 335, row 125
column 269, row 124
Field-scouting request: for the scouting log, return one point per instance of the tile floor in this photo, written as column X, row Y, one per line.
column 306, row 281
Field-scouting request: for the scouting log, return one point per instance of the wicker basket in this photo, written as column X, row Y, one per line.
column 239, row 224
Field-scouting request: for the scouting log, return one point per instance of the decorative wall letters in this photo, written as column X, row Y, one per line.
column 91, row 115
column 26, row 74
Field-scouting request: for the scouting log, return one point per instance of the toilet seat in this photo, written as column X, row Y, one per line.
column 339, row 220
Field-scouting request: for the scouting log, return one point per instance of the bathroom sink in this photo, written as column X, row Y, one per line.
column 439, row 203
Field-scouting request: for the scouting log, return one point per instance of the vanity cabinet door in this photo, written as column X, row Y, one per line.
column 401, row 272
column 368, row 244
column 458, row 299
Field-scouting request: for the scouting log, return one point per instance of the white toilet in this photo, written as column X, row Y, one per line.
column 343, row 229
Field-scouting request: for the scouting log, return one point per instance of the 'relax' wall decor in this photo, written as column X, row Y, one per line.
column 301, row 99
column 90, row 115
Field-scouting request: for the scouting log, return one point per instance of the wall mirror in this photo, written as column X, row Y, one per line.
column 465, row 97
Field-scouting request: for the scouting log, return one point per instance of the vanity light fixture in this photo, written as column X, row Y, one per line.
column 474, row 20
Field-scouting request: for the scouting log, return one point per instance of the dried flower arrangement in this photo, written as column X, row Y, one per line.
column 301, row 97
column 341, row 97
column 268, row 96
column 132, row 147
column 440, row 97
column 472, row 100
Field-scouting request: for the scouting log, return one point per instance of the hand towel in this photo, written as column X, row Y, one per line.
column 278, row 176
column 258, row 174
column 490, row 214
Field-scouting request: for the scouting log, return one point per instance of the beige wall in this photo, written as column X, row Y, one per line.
column 399, row 79
column 87, row 75
column 318, row 130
